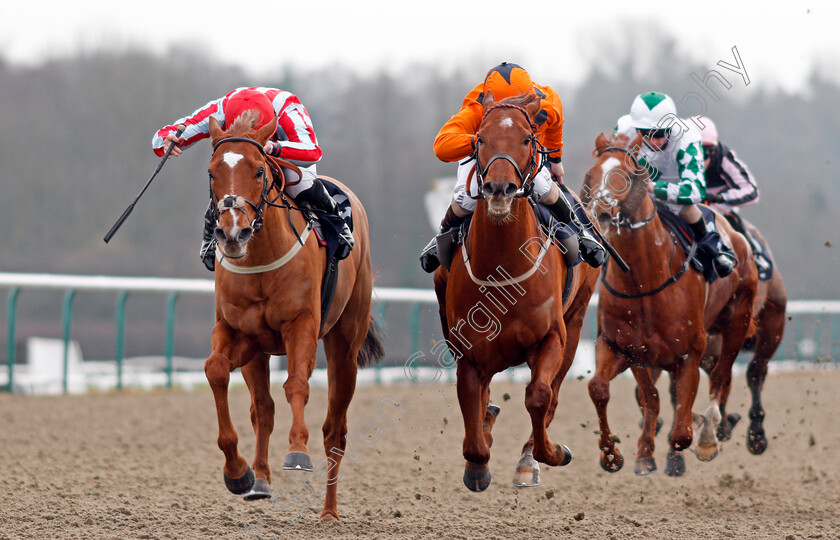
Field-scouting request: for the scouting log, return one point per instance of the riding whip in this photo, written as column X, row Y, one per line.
column 130, row 208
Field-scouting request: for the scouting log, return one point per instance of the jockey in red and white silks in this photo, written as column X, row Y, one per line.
column 294, row 140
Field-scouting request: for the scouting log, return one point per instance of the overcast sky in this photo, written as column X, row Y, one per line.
column 779, row 43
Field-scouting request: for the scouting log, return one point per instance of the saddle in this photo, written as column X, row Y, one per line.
column 760, row 253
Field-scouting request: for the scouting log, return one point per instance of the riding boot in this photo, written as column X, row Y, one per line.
column 208, row 239
column 591, row 250
column 429, row 257
column 317, row 197
column 724, row 259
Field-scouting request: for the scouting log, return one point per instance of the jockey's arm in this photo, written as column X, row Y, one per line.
column 690, row 189
column 742, row 189
column 197, row 128
column 297, row 142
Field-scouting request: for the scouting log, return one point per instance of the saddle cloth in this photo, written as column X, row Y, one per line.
column 706, row 249
column 328, row 226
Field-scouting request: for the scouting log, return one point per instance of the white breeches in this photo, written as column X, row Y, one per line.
column 308, row 176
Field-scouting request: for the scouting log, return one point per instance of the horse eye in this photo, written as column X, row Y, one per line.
column 260, row 172
column 527, row 141
column 210, row 175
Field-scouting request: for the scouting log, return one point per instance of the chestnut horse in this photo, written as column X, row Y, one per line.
column 658, row 314
column 501, row 302
column 268, row 301
column 769, row 316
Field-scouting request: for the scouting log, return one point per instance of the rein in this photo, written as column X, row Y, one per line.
column 619, row 221
column 238, row 203
column 673, row 279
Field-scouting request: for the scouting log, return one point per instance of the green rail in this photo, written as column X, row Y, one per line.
column 806, row 327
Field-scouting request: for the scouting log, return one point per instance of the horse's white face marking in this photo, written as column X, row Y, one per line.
column 506, row 122
column 232, row 158
column 609, row 164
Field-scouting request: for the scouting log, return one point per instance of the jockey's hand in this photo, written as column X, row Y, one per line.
column 171, row 138
column 650, row 186
column 269, row 147
column 713, row 198
column 557, row 172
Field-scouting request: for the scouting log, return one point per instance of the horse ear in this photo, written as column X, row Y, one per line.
column 534, row 105
column 601, row 142
column 488, row 100
column 215, row 129
column 265, row 132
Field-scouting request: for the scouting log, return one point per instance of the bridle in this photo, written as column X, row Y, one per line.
column 270, row 177
column 604, row 196
column 536, row 159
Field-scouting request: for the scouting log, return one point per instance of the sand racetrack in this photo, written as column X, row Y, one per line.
column 146, row 465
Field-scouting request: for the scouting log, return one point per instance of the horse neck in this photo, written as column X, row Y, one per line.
column 647, row 250
column 512, row 244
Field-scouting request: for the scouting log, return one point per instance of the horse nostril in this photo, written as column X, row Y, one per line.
column 487, row 189
column 245, row 235
column 510, row 189
column 219, row 233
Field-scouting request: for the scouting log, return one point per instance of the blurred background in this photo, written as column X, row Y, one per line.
column 82, row 90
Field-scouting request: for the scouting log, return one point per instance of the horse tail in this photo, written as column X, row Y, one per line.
column 372, row 349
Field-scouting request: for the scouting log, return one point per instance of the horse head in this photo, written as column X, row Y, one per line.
column 615, row 187
column 240, row 180
column 506, row 151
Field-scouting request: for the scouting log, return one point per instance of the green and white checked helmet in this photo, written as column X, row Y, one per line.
column 650, row 108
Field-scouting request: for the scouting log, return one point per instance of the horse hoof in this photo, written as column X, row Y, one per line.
column 238, row 486
column 527, row 472
column 645, row 466
column 297, row 461
column 724, row 432
column 612, row 462
column 756, row 441
column 494, row 410
column 675, row 464
column 567, row 454
column 260, row 490
column 329, row 515
column 476, row 480
column 707, row 452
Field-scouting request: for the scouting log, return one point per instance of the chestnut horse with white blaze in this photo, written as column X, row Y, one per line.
column 658, row 314
column 268, row 301
column 501, row 302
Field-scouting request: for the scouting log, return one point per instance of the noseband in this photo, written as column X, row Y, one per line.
column 527, row 178
column 233, row 202
column 605, row 196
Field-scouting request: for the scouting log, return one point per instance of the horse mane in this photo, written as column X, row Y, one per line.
column 522, row 100
column 244, row 124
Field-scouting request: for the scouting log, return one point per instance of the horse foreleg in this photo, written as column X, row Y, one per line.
column 684, row 382
column 256, row 377
column 539, row 395
column 300, row 336
column 527, row 472
column 648, row 398
column 608, row 364
column 471, row 398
